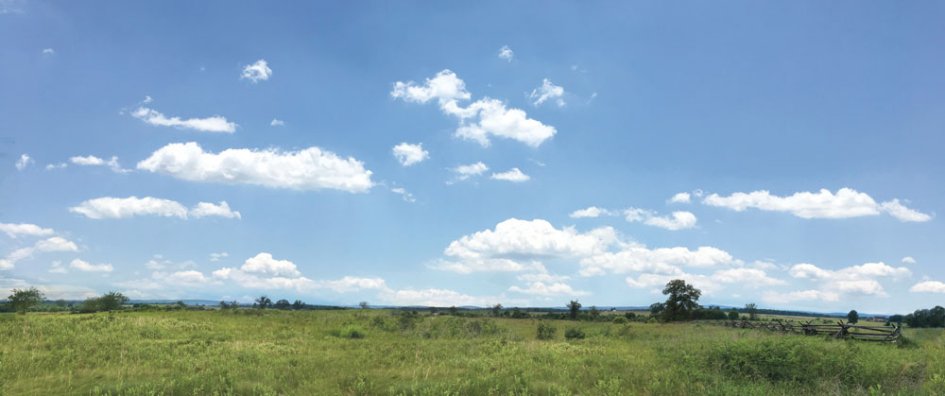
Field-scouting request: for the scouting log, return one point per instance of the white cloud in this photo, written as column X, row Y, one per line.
column 257, row 72
column 265, row 272
column 547, row 91
column 206, row 209
column 147, row 99
column 540, row 288
column 514, row 238
column 682, row 197
column 49, row 51
column 189, row 277
column 506, row 53
column 91, row 160
column 214, row 123
column 86, row 266
column 54, row 244
column 679, row 220
column 902, row 213
column 590, row 212
column 57, row 268
column 61, row 165
column 435, row 297
column 308, row 169
column 404, row 194
column 353, row 284
column 663, row 261
column 480, row 120
column 514, row 175
column 23, row 162
column 23, row 229
column 751, row 277
column 218, row 256
column 276, row 122
column 857, row 279
column 928, row 287
column 801, row 295
column 408, row 154
column 119, row 208
column 846, row 203
column 464, row 172
column 908, row 260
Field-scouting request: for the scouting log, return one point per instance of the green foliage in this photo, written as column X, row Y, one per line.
column 934, row 317
column 682, row 299
column 111, row 301
column 574, row 333
column 496, row 310
column 282, row 304
column 574, row 308
column 732, row 315
column 546, row 331
column 620, row 320
column 351, row 331
column 752, row 310
column 853, row 317
column 22, row 300
column 262, row 302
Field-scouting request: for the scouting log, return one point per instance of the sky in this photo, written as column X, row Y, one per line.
column 787, row 154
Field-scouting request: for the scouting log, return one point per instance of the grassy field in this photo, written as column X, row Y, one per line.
column 379, row 352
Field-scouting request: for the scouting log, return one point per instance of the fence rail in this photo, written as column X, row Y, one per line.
column 839, row 330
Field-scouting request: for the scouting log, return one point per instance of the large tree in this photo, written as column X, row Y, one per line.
column 23, row 299
column 574, row 307
column 853, row 317
column 682, row 300
column 752, row 310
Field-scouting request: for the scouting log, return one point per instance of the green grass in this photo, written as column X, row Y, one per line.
column 317, row 352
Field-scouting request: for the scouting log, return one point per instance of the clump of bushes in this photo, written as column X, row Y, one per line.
column 351, row 331
column 111, row 301
column 574, row 333
column 620, row 320
column 546, row 331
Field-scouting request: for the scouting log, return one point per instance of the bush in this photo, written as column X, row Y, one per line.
column 546, row 331
column 574, row 333
column 620, row 320
column 351, row 331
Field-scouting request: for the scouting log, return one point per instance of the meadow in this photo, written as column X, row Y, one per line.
column 385, row 352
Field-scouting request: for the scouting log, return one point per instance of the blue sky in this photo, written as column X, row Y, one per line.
column 472, row 154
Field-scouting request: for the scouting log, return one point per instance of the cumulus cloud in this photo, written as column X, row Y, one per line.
column 480, row 120
column 679, row 220
column 547, row 91
column 23, row 229
column 506, row 53
column 91, row 160
column 256, row 72
column 408, row 154
column 276, row 122
column 464, row 172
column 308, row 169
column 53, row 244
column 846, row 203
column 86, row 266
column 352, row 284
column 435, row 298
column 682, row 197
column 540, row 288
column 61, row 165
column 120, row 208
column 858, row 279
column 207, row 209
column 514, row 175
column 801, row 295
column 514, row 238
column 908, row 260
column 928, row 286
column 49, row 51
column 662, row 261
column 23, row 162
column 214, row 123
column 265, row 272
column 590, row 213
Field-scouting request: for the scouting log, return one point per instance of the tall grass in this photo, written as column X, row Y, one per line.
column 379, row 352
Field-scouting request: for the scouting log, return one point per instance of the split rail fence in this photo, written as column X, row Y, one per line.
column 839, row 330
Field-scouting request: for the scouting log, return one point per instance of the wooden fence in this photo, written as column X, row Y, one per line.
column 839, row 330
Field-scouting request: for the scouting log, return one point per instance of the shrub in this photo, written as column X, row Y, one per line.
column 574, row 333
column 546, row 331
column 351, row 331
column 620, row 320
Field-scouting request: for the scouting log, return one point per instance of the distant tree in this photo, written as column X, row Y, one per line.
column 574, row 308
column 897, row 319
column 262, row 302
column 224, row 305
column 180, row 304
column 630, row 315
column 594, row 312
column 682, row 300
column 22, row 300
column 453, row 310
column 298, row 304
column 853, row 317
column 363, row 304
column 282, row 304
column 497, row 310
column 733, row 315
column 752, row 310
column 112, row 301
